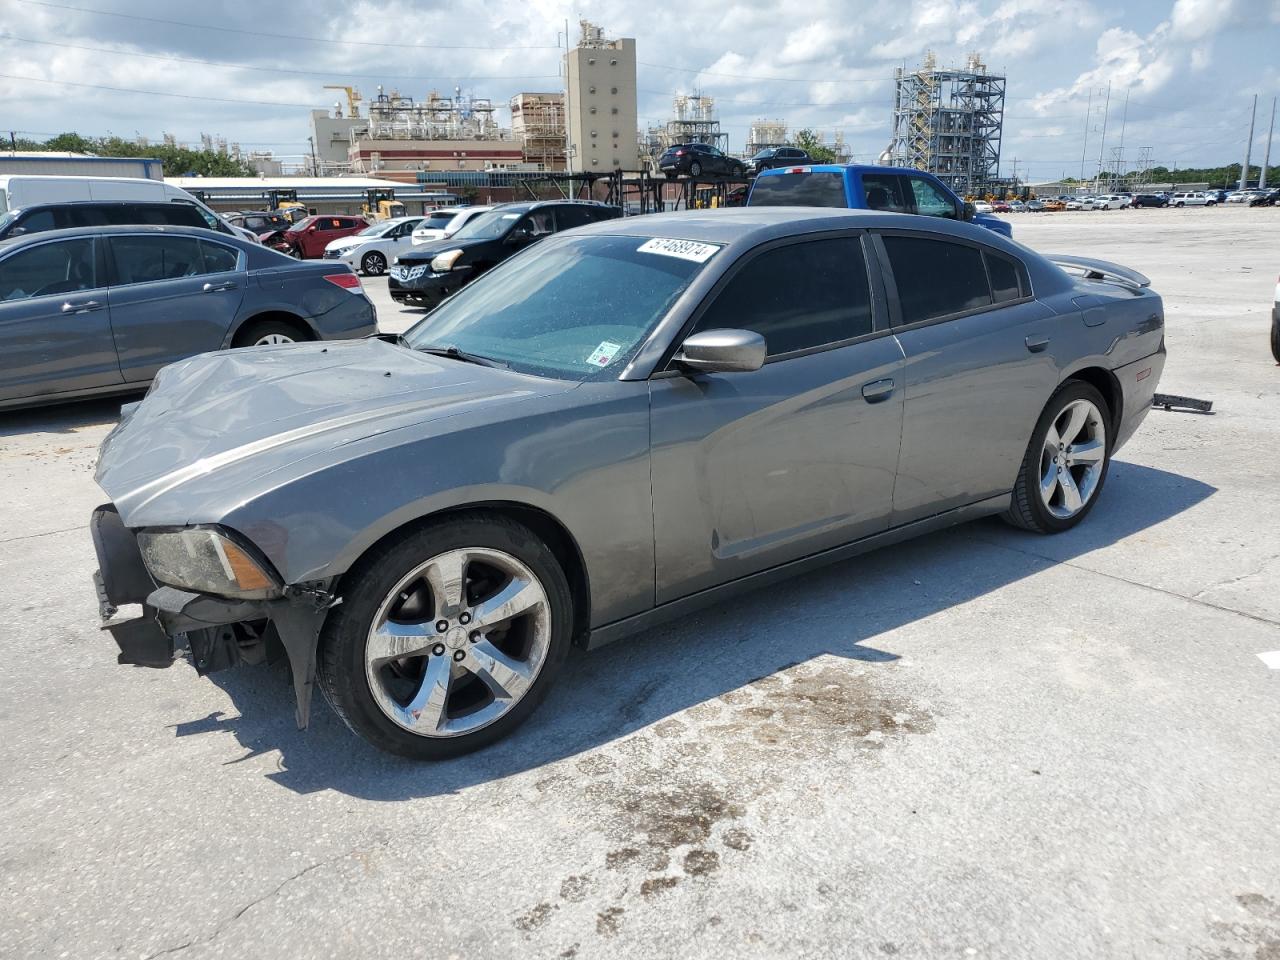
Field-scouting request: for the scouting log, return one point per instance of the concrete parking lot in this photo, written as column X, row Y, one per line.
column 984, row 743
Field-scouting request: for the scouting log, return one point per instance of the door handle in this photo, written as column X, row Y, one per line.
column 84, row 307
column 877, row 390
column 219, row 287
column 1036, row 344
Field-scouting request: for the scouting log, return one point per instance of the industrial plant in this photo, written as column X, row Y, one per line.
column 949, row 123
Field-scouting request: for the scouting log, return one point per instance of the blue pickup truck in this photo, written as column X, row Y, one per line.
column 894, row 189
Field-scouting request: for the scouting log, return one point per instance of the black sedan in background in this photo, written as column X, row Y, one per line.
column 699, row 159
column 771, row 157
column 428, row 273
column 100, row 310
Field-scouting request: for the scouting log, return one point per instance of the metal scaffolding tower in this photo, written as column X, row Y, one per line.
column 949, row 123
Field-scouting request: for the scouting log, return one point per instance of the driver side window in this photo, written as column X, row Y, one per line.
column 48, row 270
column 798, row 297
column 884, row 192
column 930, row 201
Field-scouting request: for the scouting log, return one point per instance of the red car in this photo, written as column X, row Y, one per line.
column 306, row 239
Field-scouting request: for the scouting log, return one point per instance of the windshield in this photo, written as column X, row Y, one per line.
column 7, row 219
column 377, row 229
column 489, row 226
column 818, row 189
column 301, row 225
column 569, row 308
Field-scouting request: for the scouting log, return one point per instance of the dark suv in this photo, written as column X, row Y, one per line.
column 67, row 216
column 778, row 157
column 431, row 271
column 696, row 159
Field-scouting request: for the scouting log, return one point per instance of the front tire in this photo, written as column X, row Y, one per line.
column 695, row 169
column 1275, row 339
column 413, row 689
column 374, row 264
column 1066, row 462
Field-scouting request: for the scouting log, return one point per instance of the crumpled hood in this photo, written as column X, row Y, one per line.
column 259, row 409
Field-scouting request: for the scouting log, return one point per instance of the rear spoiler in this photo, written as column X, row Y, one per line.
column 1099, row 270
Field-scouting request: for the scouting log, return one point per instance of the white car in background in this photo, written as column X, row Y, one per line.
column 1111, row 202
column 982, row 206
column 1079, row 203
column 370, row 250
column 440, row 224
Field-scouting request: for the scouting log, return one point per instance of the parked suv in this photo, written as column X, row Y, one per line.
column 772, row 157
column 99, row 310
column 429, row 272
column 1193, row 199
column 697, row 159
column 259, row 222
column 1150, row 200
column 307, row 238
column 891, row 189
column 66, row 216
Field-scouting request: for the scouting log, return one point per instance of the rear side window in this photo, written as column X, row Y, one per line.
column 568, row 217
column 936, row 278
column 819, row 189
column 797, row 297
column 217, row 258
column 50, row 269
column 1003, row 272
column 147, row 259
column 886, row 192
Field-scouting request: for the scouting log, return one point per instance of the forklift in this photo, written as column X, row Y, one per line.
column 381, row 204
column 285, row 202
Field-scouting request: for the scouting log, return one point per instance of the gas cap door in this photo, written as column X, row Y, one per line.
column 1091, row 309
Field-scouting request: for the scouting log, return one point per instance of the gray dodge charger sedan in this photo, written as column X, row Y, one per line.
column 617, row 425
column 98, row 310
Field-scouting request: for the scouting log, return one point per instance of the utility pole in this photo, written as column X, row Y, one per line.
column 1248, row 146
column 1097, row 185
column 1084, row 151
column 13, row 139
column 1266, row 157
column 315, row 171
column 1124, row 119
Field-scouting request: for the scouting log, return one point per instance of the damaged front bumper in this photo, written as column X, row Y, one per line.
column 219, row 632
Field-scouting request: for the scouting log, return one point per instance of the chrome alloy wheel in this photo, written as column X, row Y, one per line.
column 458, row 642
column 271, row 339
column 1075, row 450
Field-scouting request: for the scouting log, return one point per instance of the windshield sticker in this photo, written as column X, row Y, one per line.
column 684, row 249
column 603, row 355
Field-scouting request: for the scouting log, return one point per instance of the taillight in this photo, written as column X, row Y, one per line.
column 799, row 170
column 679, row 153
column 347, row 281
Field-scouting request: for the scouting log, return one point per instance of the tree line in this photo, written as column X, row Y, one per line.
column 178, row 161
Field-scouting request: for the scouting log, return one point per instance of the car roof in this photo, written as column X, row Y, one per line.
column 843, row 167
column 45, row 235
column 748, row 226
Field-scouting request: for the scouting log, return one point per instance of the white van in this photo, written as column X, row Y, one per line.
column 17, row 192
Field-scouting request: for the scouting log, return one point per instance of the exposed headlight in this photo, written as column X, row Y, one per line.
column 444, row 262
column 206, row 560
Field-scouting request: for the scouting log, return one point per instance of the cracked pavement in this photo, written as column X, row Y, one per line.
column 982, row 743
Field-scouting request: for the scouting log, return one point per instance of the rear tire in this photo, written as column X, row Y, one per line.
column 1065, row 466
column 261, row 333
column 1275, row 339
column 695, row 169
column 392, row 703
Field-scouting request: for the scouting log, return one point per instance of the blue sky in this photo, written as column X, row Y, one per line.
column 1188, row 67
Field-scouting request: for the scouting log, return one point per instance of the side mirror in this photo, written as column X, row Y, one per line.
column 723, row 351
column 970, row 211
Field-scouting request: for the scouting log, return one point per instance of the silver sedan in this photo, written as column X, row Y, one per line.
column 616, row 426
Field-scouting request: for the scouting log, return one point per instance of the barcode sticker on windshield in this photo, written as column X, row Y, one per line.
column 684, row 249
column 603, row 355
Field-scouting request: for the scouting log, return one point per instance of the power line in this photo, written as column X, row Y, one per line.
column 245, row 66
column 156, row 93
column 276, row 36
